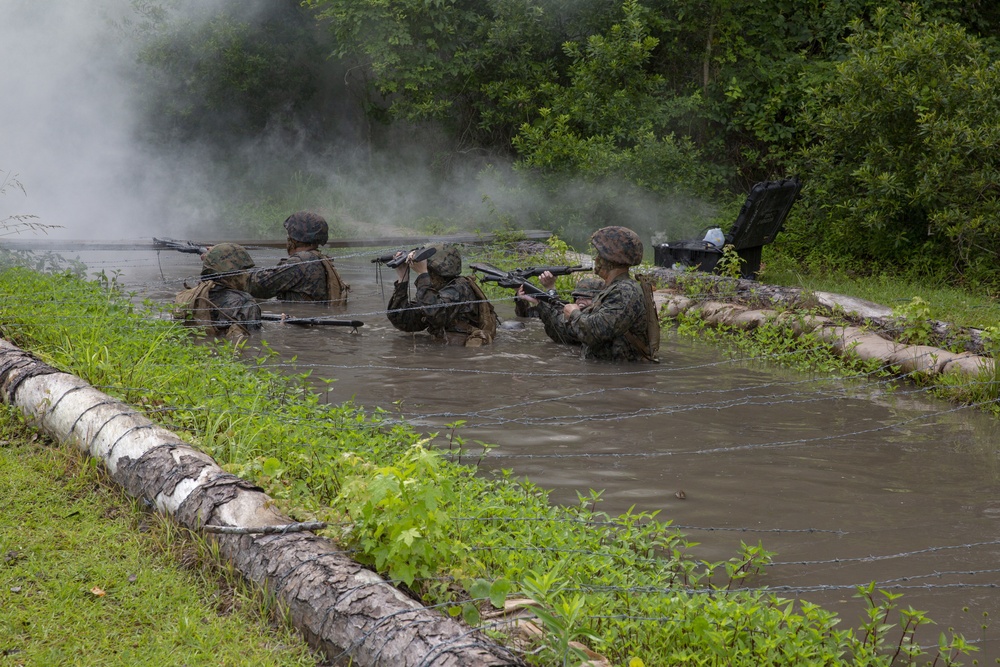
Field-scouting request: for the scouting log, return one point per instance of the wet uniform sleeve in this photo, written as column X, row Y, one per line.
column 524, row 308
column 404, row 314
column 234, row 306
column 555, row 324
column 442, row 308
column 285, row 277
column 608, row 318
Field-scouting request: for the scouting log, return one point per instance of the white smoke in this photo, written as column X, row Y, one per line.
column 71, row 130
column 67, row 121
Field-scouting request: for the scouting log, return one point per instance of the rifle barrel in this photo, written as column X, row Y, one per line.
column 392, row 261
column 535, row 271
column 180, row 246
column 304, row 321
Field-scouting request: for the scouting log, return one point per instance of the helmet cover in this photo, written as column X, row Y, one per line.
column 226, row 258
column 307, row 227
column 446, row 262
column 588, row 287
column 618, row 245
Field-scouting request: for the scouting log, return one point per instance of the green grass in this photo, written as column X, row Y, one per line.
column 961, row 307
column 89, row 578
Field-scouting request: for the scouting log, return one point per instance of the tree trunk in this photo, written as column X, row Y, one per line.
column 341, row 608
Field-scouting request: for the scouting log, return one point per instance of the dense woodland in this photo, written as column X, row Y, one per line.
column 887, row 111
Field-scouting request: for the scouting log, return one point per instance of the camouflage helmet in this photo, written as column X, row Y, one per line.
column 446, row 262
column 307, row 227
column 618, row 245
column 588, row 287
column 225, row 258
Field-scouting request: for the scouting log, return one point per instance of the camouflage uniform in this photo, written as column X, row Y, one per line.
column 601, row 327
column 615, row 326
column 298, row 277
column 219, row 302
column 586, row 288
column 446, row 305
column 234, row 307
column 306, row 275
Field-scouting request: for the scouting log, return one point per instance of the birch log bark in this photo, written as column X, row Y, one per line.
column 341, row 608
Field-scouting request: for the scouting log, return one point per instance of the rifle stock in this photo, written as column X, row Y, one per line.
column 513, row 280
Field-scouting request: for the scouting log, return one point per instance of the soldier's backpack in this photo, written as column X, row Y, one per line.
column 193, row 305
column 487, row 316
column 336, row 288
column 651, row 346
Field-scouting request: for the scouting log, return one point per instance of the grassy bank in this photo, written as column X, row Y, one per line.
column 961, row 307
column 624, row 585
column 88, row 577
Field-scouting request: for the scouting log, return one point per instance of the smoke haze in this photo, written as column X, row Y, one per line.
column 67, row 121
column 73, row 132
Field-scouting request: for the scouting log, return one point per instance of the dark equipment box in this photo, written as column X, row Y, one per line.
column 759, row 221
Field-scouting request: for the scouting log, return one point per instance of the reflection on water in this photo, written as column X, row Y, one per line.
column 848, row 482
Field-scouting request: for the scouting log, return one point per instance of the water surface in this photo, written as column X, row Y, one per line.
column 847, row 481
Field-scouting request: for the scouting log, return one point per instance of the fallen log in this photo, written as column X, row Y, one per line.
column 860, row 311
column 844, row 340
column 341, row 608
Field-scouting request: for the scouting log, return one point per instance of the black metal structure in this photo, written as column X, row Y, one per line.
column 759, row 221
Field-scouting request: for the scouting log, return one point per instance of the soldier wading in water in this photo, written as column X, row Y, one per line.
column 621, row 323
column 306, row 274
column 220, row 302
column 448, row 305
column 583, row 295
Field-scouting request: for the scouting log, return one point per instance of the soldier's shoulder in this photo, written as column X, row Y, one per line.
column 627, row 285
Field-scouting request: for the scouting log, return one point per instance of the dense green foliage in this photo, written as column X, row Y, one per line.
column 906, row 173
column 623, row 584
column 241, row 72
column 888, row 112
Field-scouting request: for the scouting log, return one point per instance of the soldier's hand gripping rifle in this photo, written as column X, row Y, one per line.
column 519, row 278
column 393, row 260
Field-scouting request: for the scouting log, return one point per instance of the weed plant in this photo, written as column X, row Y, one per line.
column 782, row 346
column 624, row 584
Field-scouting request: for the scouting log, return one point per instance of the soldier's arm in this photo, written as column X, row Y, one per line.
column 404, row 314
column 603, row 322
column 235, row 307
column 266, row 283
column 439, row 307
column 250, row 316
column 556, row 326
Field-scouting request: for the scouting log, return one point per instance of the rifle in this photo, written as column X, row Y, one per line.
column 392, row 261
column 179, row 246
column 515, row 279
column 535, row 271
column 307, row 321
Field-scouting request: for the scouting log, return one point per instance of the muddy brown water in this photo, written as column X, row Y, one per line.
column 847, row 481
